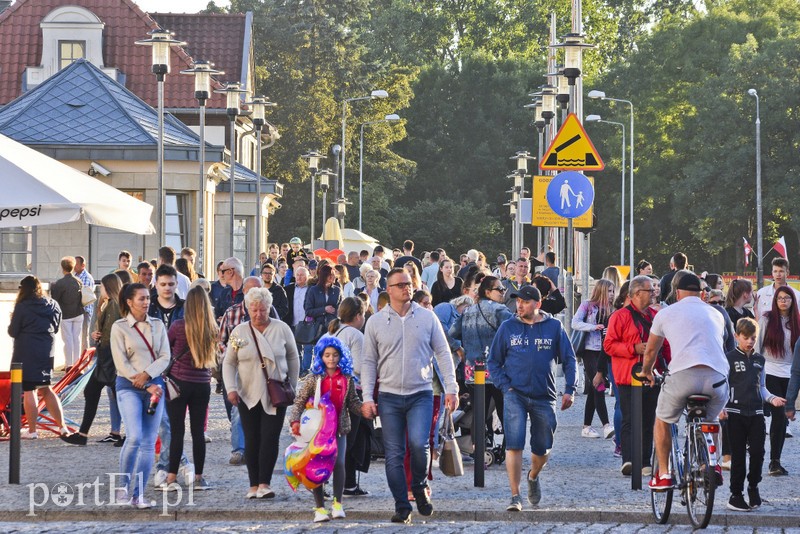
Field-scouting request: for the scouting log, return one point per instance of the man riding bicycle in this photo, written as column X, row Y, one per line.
column 695, row 332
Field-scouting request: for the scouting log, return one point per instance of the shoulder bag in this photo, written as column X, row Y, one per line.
column 281, row 393
column 171, row 389
column 450, row 461
column 87, row 295
column 308, row 331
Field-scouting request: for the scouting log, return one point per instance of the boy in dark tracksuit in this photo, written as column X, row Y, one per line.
column 745, row 414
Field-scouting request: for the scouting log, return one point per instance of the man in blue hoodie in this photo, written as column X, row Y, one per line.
column 522, row 363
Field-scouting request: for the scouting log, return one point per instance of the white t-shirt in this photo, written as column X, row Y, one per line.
column 695, row 331
column 182, row 288
column 765, row 296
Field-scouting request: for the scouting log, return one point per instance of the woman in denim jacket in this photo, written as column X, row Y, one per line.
column 592, row 318
column 475, row 328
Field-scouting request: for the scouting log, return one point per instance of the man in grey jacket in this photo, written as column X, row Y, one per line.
column 398, row 344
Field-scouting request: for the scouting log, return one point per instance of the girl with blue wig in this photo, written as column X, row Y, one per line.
column 333, row 367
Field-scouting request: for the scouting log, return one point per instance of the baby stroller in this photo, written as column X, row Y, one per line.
column 463, row 418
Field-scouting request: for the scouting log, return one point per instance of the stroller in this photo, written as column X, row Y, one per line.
column 495, row 451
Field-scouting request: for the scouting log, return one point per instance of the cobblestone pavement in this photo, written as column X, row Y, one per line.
column 353, row 527
column 581, row 485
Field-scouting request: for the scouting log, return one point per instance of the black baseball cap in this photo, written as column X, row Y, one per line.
column 527, row 293
column 689, row 282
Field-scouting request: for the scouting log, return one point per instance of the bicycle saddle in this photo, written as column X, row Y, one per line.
column 696, row 405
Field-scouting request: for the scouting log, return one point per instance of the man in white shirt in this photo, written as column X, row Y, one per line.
column 296, row 296
column 764, row 296
column 698, row 366
column 430, row 272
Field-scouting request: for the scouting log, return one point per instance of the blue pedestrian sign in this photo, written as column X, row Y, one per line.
column 570, row 194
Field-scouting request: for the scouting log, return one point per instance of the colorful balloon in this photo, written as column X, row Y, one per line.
column 311, row 464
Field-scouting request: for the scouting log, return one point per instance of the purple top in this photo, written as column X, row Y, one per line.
column 184, row 368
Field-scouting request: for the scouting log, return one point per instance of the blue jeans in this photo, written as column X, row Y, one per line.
column 307, row 352
column 237, row 433
column 543, row 422
column 617, row 409
column 116, row 417
column 138, row 451
column 165, row 434
column 401, row 416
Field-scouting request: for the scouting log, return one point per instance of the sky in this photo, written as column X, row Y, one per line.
column 177, row 6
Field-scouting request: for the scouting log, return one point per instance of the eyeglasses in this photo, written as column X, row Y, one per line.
column 646, row 290
column 223, row 271
column 401, row 285
column 784, row 299
column 500, row 289
column 705, row 289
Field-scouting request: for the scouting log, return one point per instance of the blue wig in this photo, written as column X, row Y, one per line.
column 345, row 361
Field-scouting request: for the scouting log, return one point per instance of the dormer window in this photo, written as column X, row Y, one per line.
column 69, row 51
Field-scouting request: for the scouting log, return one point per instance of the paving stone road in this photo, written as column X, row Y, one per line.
column 582, row 486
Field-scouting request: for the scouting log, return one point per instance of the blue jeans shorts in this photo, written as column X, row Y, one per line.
column 542, row 413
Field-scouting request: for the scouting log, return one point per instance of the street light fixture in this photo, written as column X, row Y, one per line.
column 573, row 46
column 160, row 40
column 202, row 71
column 597, row 118
column 388, row 118
column 258, row 106
column 314, row 159
column 324, row 184
column 378, row 93
column 759, row 245
column 602, row 96
column 233, row 92
column 548, row 103
column 522, row 158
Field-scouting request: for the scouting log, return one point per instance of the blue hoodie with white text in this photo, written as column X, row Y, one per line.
column 524, row 357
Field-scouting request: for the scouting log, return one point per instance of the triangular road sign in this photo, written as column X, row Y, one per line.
column 572, row 149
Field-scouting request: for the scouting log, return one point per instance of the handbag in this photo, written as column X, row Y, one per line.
column 308, row 331
column 87, row 295
column 281, row 392
column 578, row 340
column 171, row 387
column 450, row 461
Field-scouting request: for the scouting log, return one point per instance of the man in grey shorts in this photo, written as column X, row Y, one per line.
column 694, row 331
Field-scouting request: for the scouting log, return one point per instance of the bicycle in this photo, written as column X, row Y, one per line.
column 693, row 466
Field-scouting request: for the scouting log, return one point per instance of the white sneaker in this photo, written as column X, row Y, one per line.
column 321, row 515
column 337, row 512
column 121, row 496
column 29, row 435
column 589, row 432
column 159, row 478
column 647, row 471
column 186, row 474
column 608, row 431
column 141, row 503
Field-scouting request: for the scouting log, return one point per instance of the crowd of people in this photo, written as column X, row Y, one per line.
column 394, row 335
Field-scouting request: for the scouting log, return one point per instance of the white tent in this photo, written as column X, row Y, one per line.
column 39, row 190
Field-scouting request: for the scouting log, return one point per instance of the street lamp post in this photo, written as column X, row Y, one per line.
column 602, row 96
column 759, row 229
column 233, row 93
column 160, row 40
column 519, row 176
column 596, row 118
column 259, row 105
column 387, row 118
column 379, row 93
column 202, row 71
column 324, row 184
column 314, row 158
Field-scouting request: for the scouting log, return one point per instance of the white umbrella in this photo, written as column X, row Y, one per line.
column 39, row 190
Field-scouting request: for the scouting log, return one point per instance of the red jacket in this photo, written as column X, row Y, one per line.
column 622, row 336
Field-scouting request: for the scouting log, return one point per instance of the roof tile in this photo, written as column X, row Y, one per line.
column 125, row 24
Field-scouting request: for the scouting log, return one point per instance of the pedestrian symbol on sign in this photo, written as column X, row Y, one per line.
column 570, row 194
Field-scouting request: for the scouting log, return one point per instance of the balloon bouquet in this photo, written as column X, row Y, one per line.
column 311, row 458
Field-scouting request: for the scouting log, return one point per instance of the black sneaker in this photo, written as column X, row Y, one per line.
column 121, row 442
column 737, row 503
column 754, row 497
column 402, row 516
column 424, row 506
column 111, row 438
column 776, row 469
column 356, row 492
column 74, row 439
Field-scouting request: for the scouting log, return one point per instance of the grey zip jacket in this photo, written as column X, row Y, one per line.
column 400, row 351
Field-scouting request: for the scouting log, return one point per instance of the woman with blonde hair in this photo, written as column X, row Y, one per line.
column 413, row 272
column 592, row 318
column 343, row 281
column 193, row 341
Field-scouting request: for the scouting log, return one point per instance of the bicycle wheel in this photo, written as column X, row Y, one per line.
column 660, row 501
column 701, row 484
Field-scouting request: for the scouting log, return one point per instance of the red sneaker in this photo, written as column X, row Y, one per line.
column 661, row 483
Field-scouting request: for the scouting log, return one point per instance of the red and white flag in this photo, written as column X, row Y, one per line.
column 747, row 251
column 780, row 247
